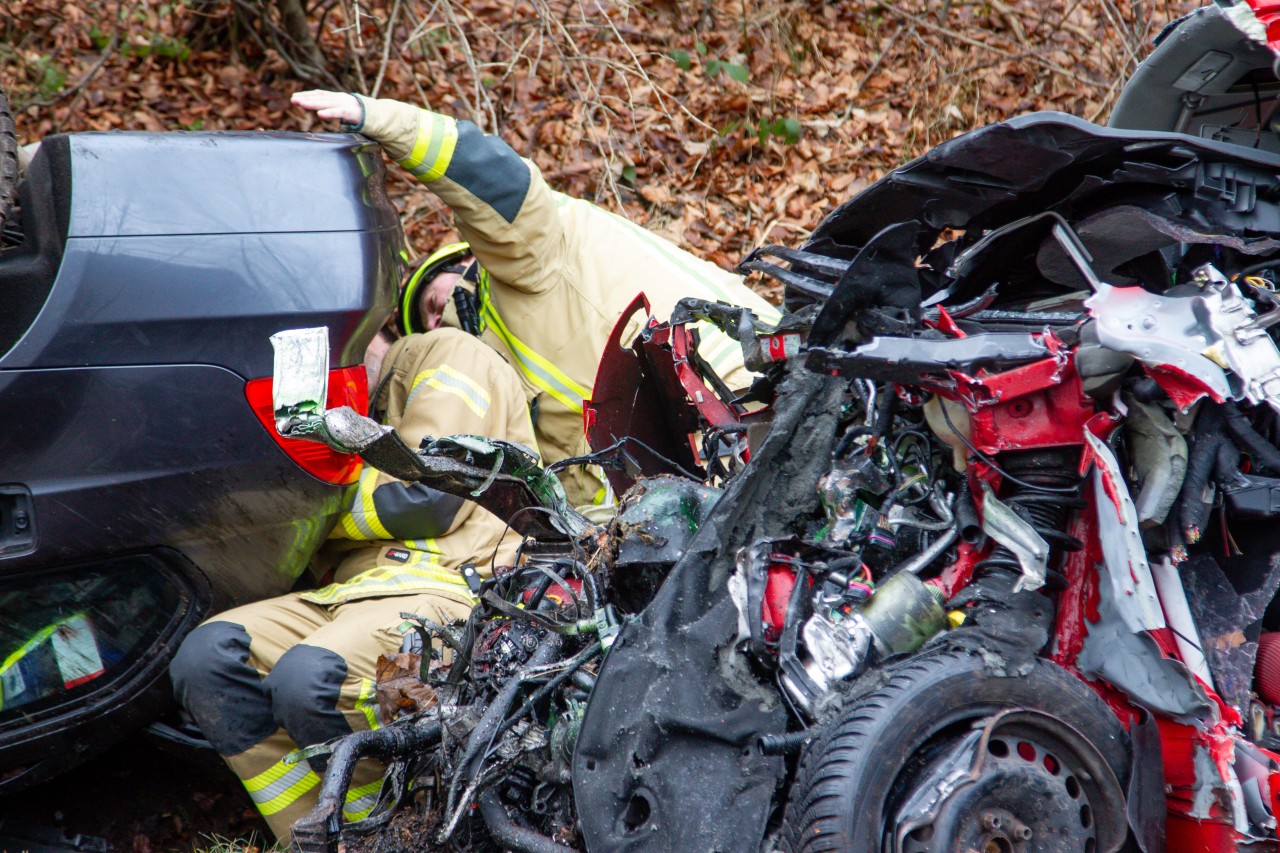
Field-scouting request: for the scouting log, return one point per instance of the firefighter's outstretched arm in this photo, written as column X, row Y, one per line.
column 501, row 203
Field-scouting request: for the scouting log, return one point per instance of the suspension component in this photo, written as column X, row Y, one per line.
column 1043, row 488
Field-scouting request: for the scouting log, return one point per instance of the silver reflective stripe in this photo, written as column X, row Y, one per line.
column 356, row 809
column 446, row 377
column 287, row 780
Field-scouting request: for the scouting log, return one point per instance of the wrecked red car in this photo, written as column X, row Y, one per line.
column 985, row 560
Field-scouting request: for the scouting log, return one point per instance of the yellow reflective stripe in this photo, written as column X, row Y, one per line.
column 424, row 571
column 423, row 140
column 440, row 163
column 361, row 520
column 36, row 640
column 43, row 634
column 370, row 517
column 428, row 545
column 434, row 147
column 280, row 786
column 540, row 372
column 417, row 582
column 367, row 707
column 445, row 378
column 360, row 801
column 348, row 524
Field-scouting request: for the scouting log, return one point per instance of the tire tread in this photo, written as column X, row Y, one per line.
column 824, row 796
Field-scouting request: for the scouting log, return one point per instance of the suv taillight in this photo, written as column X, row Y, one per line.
column 348, row 386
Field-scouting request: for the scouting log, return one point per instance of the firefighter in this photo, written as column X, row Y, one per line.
column 554, row 273
column 263, row 679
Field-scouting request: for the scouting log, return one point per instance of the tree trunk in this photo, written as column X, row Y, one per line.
column 293, row 20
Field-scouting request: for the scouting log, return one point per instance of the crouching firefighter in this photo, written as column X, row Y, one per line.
column 550, row 275
column 264, row 679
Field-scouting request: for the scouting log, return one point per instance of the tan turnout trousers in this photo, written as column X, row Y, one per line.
column 299, row 670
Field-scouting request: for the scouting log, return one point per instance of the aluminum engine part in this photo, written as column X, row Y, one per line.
column 840, row 487
column 1206, row 336
column 1244, row 343
column 903, row 614
column 901, row 617
column 836, row 652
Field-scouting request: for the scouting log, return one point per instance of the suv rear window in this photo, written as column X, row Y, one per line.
column 64, row 635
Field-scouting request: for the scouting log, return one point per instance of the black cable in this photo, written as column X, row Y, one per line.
column 571, row 666
column 1247, row 438
column 924, row 461
column 594, row 458
column 850, row 435
column 493, row 558
column 1259, row 267
column 481, row 736
column 564, row 585
column 508, row 833
column 1059, row 490
column 884, row 410
column 534, row 600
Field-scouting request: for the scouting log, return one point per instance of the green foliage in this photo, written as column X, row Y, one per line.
column 629, row 174
column 786, row 129
column 713, row 67
column 163, row 46
column 731, row 69
column 171, row 48
column 52, row 77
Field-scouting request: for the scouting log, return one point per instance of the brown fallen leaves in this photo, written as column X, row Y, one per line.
column 719, row 124
column 399, row 689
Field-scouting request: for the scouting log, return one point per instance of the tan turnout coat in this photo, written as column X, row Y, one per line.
column 560, row 271
column 399, row 537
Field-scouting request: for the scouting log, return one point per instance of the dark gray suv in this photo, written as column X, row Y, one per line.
column 141, row 482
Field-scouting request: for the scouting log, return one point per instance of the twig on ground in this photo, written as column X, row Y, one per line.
column 79, row 88
column 386, row 49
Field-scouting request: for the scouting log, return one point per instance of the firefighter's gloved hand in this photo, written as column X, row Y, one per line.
column 393, row 124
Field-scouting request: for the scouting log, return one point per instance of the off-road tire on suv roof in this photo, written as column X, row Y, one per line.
column 8, row 158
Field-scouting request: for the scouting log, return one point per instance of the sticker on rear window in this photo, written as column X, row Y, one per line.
column 76, row 651
column 12, row 683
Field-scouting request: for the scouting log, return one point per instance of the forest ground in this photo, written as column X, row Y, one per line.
column 721, row 124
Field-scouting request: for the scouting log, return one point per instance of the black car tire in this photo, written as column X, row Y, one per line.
column 847, row 776
column 8, row 158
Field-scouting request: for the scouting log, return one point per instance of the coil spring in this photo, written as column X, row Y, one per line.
column 1046, row 512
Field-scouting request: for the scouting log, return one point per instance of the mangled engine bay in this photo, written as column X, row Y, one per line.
column 998, row 570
